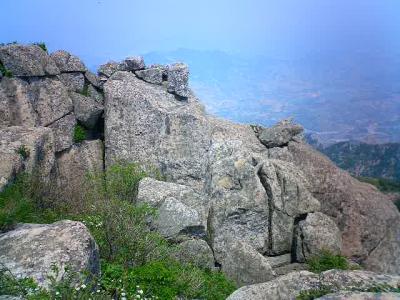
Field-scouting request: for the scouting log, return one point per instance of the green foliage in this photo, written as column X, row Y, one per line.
column 327, row 261
column 384, row 185
column 119, row 226
column 314, row 293
column 41, row 45
column 137, row 263
column 4, row 71
column 80, row 133
column 22, row 202
column 85, row 90
column 23, row 151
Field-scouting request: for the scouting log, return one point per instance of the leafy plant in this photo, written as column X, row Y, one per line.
column 326, row 260
column 80, row 133
column 23, row 151
column 85, row 90
column 41, row 45
column 4, row 71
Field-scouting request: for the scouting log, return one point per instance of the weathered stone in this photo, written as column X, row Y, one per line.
column 367, row 219
column 155, row 192
column 317, row 233
column 144, row 123
column 74, row 165
column 280, row 134
column 280, row 260
column 6, row 297
column 63, row 130
column 92, row 78
column 28, row 60
column 23, row 148
column 197, row 252
column 16, row 107
column 283, row 288
column 286, row 269
column 95, row 94
column 50, row 100
column 151, row 75
column 178, row 79
column 361, row 296
column 86, row 109
column 289, row 286
column 133, row 63
column 74, row 82
column 67, row 62
column 176, row 218
column 30, row 250
column 244, row 265
column 108, row 69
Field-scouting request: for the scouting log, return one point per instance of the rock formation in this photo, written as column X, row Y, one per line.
column 255, row 202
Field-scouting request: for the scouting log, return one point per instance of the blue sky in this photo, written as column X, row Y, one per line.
column 117, row 28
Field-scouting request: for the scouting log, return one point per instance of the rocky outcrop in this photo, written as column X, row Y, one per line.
column 63, row 130
column 66, row 62
column 31, row 250
column 317, row 233
column 279, row 135
column 87, row 110
column 25, row 149
column 178, row 79
column 288, row 287
column 27, row 60
column 361, row 296
column 367, row 220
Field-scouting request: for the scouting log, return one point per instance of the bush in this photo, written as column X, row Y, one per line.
column 326, row 260
column 23, row 201
column 4, row 71
column 80, row 133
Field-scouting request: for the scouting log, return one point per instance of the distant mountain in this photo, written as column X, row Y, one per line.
column 366, row 160
column 336, row 97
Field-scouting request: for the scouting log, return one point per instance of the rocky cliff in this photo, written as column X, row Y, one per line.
column 260, row 199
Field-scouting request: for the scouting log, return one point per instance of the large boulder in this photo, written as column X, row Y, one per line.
column 318, row 232
column 87, row 110
column 178, row 79
column 29, row 60
column 289, row 286
column 108, row 68
column 280, row 134
column 144, row 123
column 67, row 62
column 151, row 75
column 30, row 250
column 182, row 211
column 50, row 99
column 75, row 164
column 16, row 107
column 133, row 63
column 368, row 220
column 361, row 296
column 25, row 149
column 63, row 130
column 74, row 82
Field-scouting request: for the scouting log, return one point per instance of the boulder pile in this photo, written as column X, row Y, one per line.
column 254, row 202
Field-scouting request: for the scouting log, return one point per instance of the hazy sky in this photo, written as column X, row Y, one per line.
column 117, row 28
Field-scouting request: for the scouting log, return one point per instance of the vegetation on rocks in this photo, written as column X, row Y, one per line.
column 80, row 133
column 327, row 261
column 137, row 262
column 42, row 45
column 4, row 71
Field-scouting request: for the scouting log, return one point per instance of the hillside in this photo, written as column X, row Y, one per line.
column 366, row 160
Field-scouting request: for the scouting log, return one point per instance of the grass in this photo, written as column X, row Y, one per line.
column 23, row 151
column 80, row 133
column 326, row 260
column 137, row 263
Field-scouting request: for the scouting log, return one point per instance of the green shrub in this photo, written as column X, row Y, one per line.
column 41, row 45
column 326, row 260
column 23, row 151
column 314, row 293
column 4, row 71
column 23, row 202
column 80, row 133
column 85, row 90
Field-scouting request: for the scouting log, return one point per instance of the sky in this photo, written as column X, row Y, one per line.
column 118, row 28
